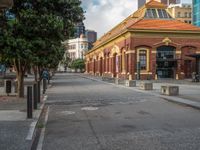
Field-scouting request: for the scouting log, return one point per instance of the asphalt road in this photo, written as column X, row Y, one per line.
column 91, row 115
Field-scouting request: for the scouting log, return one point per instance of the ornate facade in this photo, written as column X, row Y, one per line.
column 149, row 44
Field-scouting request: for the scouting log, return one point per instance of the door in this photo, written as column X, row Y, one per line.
column 188, row 68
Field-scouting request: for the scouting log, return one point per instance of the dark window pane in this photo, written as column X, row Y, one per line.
column 154, row 13
column 160, row 13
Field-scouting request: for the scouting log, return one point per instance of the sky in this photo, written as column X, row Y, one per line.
column 103, row 15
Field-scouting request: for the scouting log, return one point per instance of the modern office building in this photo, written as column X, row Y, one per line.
column 141, row 3
column 167, row 2
column 91, row 35
column 182, row 12
column 149, row 44
column 196, row 12
column 79, row 29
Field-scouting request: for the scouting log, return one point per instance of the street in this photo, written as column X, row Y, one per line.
column 89, row 115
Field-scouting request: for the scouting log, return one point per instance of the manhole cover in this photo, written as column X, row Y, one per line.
column 90, row 108
column 67, row 112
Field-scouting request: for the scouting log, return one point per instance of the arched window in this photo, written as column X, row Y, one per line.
column 143, row 59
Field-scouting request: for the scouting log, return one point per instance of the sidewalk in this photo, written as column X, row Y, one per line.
column 189, row 92
column 17, row 132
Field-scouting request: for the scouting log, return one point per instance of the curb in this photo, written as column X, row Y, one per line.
column 173, row 99
column 32, row 130
column 182, row 101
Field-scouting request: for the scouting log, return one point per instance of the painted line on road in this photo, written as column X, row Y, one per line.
column 41, row 139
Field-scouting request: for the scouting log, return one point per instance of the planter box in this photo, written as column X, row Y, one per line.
column 130, row 83
column 170, row 90
column 146, row 86
column 108, row 79
column 119, row 81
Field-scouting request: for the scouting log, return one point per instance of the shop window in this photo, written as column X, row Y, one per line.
column 143, row 59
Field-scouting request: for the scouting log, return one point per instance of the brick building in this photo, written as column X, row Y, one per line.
column 150, row 44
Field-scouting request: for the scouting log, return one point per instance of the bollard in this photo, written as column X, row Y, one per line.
column 35, row 95
column 8, row 87
column 39, row 92
column 44, row 81
column 29, row 103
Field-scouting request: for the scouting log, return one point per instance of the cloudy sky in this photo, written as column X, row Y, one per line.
column 102, row 15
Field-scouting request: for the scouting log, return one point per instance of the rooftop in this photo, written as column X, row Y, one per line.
column 151, row 16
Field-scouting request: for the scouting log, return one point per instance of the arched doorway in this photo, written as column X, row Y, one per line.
column 94, row 66
column 166, row 62
column 115, row 65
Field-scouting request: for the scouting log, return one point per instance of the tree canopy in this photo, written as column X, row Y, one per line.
column 34, row 35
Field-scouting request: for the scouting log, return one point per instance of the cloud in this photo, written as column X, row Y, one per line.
column 103, row 15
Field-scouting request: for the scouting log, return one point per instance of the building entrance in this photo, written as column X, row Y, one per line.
column 166, row 62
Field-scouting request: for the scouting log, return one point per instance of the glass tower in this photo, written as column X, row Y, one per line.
column 196, row 12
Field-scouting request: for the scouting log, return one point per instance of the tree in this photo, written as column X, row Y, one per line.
column 66, row 60
column 78, row 64
column 34, row 36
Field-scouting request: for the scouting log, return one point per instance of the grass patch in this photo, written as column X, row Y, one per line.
column 40, row 125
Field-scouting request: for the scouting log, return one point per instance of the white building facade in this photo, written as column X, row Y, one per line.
column 76, row 48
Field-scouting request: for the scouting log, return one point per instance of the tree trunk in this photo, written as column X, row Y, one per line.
column 35, row 73
column 40, row 73
column 20, row 68
column 20, row 84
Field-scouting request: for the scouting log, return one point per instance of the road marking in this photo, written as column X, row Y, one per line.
column 67, row 112
column 41, row 139
column 90, row 108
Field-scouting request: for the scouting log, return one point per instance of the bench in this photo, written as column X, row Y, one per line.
column 130, row 83
column 146, row 86
column 169, row 90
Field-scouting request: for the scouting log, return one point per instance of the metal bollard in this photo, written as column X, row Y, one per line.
column 29, row 103
column 35, row 95
column 8, row 87
column 39, row 92
column 44, row 81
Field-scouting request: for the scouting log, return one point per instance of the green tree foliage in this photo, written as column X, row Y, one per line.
column 78, row 64
column 34, row 36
